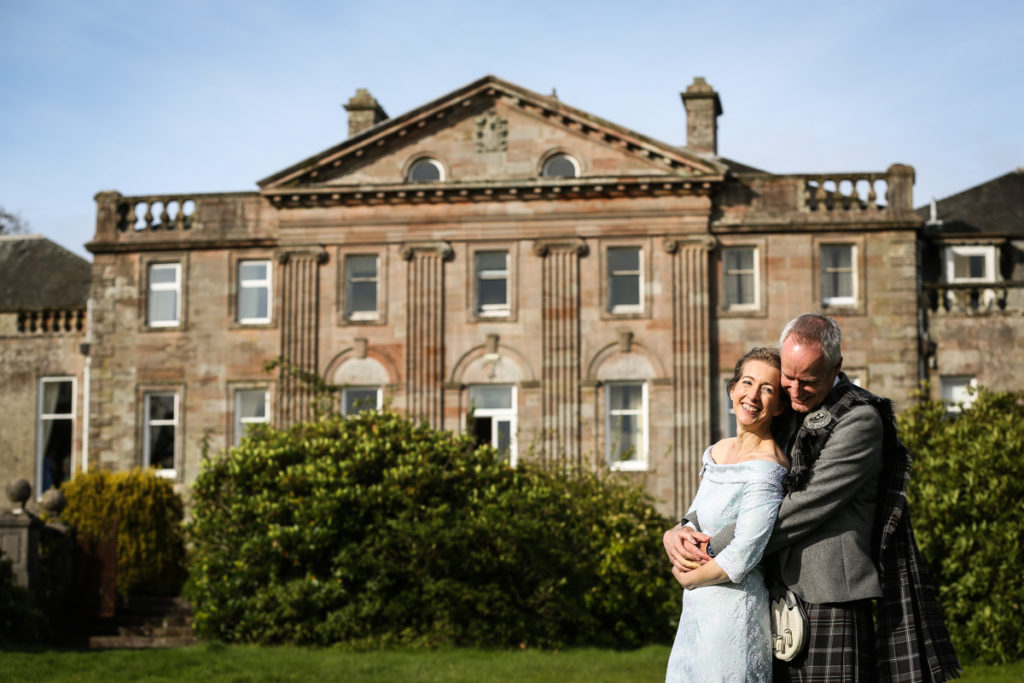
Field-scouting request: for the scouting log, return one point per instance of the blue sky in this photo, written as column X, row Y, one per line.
column 211, row 96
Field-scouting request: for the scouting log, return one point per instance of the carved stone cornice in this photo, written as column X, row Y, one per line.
column 443, row 249
column 706, row 242
column 575, row 244
column 498, row 190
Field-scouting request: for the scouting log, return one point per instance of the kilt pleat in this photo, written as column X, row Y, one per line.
column 841, row 646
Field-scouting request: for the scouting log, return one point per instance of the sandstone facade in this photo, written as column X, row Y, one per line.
column 500, row 262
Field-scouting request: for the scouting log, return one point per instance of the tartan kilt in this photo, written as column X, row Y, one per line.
column 841, row 646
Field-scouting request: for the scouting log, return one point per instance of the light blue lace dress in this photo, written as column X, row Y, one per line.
column 724, row 631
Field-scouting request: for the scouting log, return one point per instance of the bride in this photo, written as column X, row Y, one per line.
column 724, row 631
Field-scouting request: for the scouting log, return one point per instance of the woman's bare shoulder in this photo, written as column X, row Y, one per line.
column 720, row 450
column 771, row 453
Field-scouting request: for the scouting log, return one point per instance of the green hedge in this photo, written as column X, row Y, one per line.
column 965, row 498
column 150, row 535
column 21, row 621
column 375, row 530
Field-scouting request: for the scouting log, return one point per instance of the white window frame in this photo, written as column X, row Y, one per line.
column 986, row 251
column 823, row 273
column 492, row 310
column 346, row 391
column 953, row 389
column 497, row 415
column 242, row 421
column 255, row 284
column 43, row 417
column 638, row 274
column 754, row 274
column 149, row 423
column 640, row 461
column 153, row 287
column 350, row 313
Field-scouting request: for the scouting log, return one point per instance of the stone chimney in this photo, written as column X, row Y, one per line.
column 363, row 112
column 702, row 111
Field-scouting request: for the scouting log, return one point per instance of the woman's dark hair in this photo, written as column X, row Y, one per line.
column 767, row 354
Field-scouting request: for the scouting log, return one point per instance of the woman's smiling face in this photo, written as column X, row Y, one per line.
column 757, row 394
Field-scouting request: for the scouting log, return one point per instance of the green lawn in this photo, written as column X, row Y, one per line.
column 212, row 662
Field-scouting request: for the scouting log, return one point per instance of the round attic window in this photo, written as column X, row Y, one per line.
column 560, row 166
column 425, row 170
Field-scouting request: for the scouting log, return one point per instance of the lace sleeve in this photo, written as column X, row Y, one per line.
column 759, row 506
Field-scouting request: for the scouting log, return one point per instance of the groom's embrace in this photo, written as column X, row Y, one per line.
column 842, row 539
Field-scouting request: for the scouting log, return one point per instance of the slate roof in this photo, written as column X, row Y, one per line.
column 37, row 274
column 992, row 208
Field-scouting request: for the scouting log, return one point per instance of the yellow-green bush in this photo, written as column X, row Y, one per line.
column 150, row 545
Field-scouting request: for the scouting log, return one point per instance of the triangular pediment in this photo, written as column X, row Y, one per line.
column 496, row 134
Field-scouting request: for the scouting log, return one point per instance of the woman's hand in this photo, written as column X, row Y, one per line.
column 686, row 548
column 683, row 577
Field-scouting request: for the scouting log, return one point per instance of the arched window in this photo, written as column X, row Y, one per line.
column 425, row 170
column 560, row 166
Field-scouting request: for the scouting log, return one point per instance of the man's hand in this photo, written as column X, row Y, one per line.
column 686, row 548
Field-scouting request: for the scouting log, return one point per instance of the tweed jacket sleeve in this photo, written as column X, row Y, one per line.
column 842, row 490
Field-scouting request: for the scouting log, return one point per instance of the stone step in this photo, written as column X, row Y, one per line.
column 155, row 622
column 139, row 642
column 155, row 631
column 143, row 623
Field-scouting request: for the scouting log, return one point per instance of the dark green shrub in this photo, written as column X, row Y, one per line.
column 150, row 536
column 20, row 620
column 965, row 498
column 375, row 530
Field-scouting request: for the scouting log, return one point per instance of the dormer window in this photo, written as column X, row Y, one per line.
column 560, row 166
column 425, row 170
column 970, row 263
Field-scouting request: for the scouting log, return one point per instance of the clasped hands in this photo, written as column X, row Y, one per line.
column 687, row 550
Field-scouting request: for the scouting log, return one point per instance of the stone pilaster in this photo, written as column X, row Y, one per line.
column 300, row 290
column 424, row 356
column 691, row 363
column 560, row 324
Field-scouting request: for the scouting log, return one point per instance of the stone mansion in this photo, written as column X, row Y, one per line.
column 496, row 261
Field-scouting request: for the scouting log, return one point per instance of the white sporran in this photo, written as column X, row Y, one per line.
column 789, row 623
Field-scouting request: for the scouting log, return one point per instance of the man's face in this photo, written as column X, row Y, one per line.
column 806, row 376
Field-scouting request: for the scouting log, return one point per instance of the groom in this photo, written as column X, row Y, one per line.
column 845, row 471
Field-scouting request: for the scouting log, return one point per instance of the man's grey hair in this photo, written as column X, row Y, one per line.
column 818, row 329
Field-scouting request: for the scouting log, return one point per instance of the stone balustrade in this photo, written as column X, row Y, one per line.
column 974, row 298
column 890, row 192
column 858, row 200
column 173, row 221
column 51, row 321
column 164, row 212
column 864, row 192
